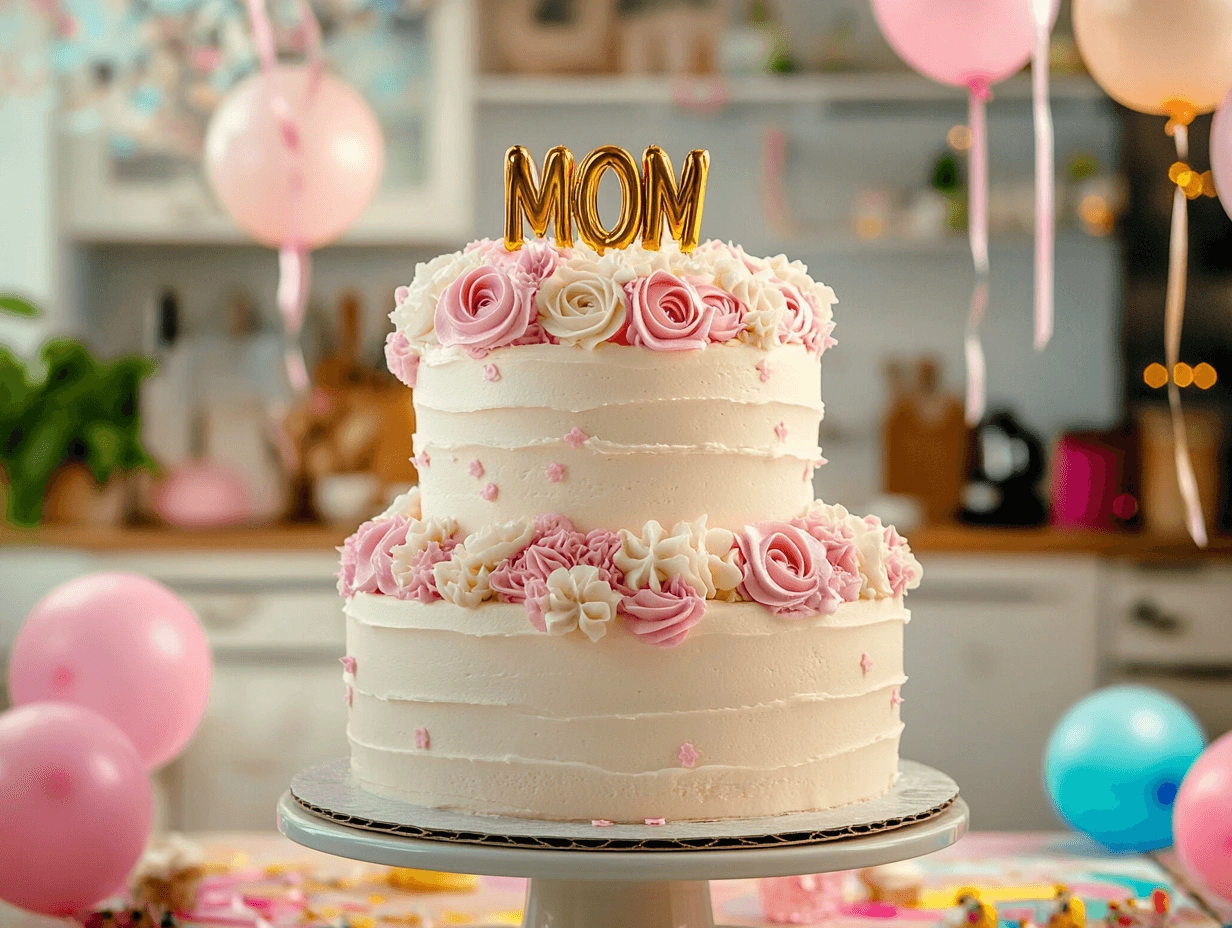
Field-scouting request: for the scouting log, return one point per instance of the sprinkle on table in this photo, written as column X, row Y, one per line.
column 656, row 821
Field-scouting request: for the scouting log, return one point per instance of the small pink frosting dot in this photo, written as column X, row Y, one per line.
column 349, row 697
column 781, row 431
column 348, row 664
column 765, row 370
column 895, row 698
column 489, row 492
column 687, row 754
column 576, row 437
column 491, row 373
column 866, row 662
column 656, row 821
column 601, row 822
column 422, row 739
column 422, row 460
column 476, row 468
column 556, row 472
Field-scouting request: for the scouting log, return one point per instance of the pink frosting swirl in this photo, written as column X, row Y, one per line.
column 483, row 309
column 786, row 570
column 401, row 360
column 372, row 546
column 663, row 618
column 729, row 311
column 901, row 565
column 551, row 522
column 819, row 338
column 600, row 552
column 421, row 584
column 666, row 314
column 840, row 545
column 537, row 261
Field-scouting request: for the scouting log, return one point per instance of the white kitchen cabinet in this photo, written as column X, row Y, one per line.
column 997, row 649
column 266, row 722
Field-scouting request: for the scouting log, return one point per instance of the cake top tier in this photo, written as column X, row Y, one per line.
column 487, row 297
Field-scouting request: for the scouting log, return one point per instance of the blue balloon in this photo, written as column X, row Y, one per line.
column 1115, row 761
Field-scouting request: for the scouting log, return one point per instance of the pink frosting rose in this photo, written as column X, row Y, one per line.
column 666, row 314
column 421, row 584
column 663, row 618
column 786, row 570
column 483, row 309
column 600, row 552
column 729, row 311
column 373, row 544
column 840, row 545
column 562, row 548
column 401, row 360
column 799, row 319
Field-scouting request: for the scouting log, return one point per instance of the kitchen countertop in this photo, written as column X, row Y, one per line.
column 937, row 539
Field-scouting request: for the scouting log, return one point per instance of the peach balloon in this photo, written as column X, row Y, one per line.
column 1146, row 53
column 251, row 166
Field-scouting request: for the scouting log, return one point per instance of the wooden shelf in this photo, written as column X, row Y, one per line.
column 156, row 538
column 716, row 92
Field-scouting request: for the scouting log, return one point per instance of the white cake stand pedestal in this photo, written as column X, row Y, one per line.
column 620, row 889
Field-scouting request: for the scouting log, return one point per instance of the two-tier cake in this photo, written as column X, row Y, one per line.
column 613, row 596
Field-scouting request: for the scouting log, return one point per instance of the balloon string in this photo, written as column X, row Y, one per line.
column 294, row 259
column 977, row 230
column 1174, row 316
column 1045, row 220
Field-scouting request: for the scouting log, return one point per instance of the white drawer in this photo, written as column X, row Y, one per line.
column 1170, row 617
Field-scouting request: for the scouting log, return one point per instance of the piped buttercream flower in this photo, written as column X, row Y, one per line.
column 464, row 578
column 903, row 571
column 483, row 309
column 663, row 617
column 417, row 580
column 415, row 312
column 838, row 540
column 536, row 261
column 717, row 568
column 666, row 314
column 578, row 598
column 401, row 359
column 728, row 321
column 405, row 504
column 420, row 534
column 785, row 569
column 373, row 544
column 580, row 307
column 651, row 559
column 766, row 308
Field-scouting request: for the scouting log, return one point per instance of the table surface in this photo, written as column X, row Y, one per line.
column 267, row 877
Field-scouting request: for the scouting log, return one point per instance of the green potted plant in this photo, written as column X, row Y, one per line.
column 79, row 417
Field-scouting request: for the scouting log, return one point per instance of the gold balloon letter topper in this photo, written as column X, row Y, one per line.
column 566, row 197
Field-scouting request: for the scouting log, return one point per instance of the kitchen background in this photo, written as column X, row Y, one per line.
column 1042, row 582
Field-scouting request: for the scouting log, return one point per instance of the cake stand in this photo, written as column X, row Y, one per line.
column 627, row 876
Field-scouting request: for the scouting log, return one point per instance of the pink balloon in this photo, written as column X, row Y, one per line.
column 250, row 165
column 1202, row 818
column 124, row 646
column 1221, row 152
column 961, row 42
column 76, row 807
column 202, row 494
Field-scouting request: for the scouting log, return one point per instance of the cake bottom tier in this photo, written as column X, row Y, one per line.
column 752, row 715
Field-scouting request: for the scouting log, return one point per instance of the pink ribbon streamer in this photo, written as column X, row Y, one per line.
column 1045, row 220
column 977, row 231
column 294, row 258
column 1174, row 316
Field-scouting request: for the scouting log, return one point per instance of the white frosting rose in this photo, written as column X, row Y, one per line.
column 578, row 597
column 413, row 316
column 406, row 505
column 499, row 541
column 656, row 556
column 767, row 306
column 581, row 307
column 462, row 580
column 716, row 557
